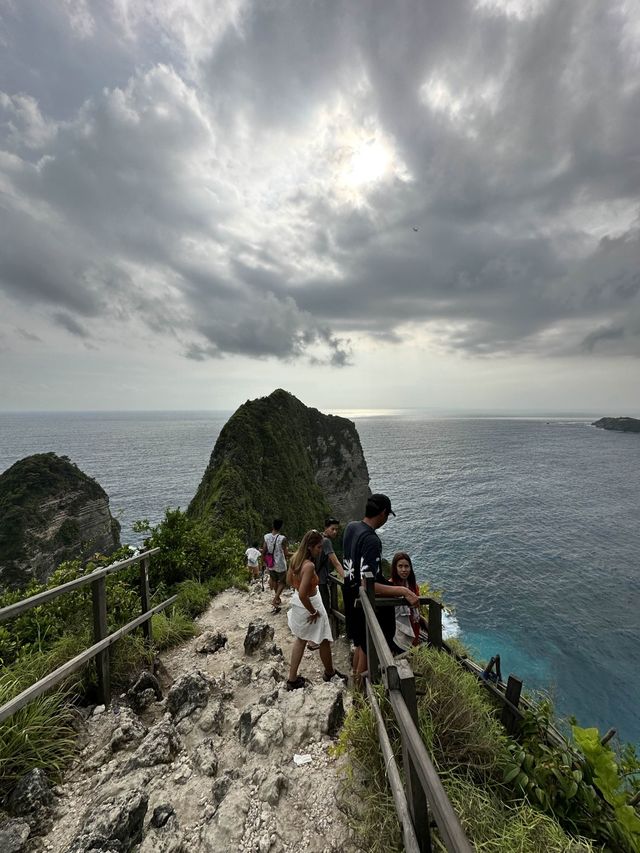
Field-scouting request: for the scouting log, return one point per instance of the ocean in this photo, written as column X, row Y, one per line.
column 529, row 526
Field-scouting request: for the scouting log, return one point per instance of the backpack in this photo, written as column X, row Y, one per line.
column 269, row 558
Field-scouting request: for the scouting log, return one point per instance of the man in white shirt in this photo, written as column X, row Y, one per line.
column 275, row 554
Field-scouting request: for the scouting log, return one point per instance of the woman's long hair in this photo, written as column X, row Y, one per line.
column 309, row 541
column 395, row 577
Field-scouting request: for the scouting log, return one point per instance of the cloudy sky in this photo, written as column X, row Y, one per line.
column 369, row 203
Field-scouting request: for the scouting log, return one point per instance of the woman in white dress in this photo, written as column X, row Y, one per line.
column 307, row 616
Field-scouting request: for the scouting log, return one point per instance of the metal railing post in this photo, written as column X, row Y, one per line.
column 99, row 595
column 416, row 796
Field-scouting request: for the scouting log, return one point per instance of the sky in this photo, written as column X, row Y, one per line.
column 369, row 203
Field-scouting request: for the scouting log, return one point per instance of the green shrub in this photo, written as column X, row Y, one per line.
column 193, row 598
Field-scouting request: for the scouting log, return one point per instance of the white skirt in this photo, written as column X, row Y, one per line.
column 297, row 617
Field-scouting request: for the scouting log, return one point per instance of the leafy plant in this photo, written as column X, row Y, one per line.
column 582, row 789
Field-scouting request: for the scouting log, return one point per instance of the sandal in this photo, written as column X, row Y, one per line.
column 335, row 674
column 275, row 609
column 297, row 684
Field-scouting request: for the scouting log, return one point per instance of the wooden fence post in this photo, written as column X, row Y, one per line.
column 145, row 599
column 416, row 797
column 372, row 655
column 99, row 595
column 333, row 603
column 512, row 694
column 435, row 624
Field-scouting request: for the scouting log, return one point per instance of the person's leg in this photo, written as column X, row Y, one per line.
column 297, row 651
column 282, row 582
column 326, row 658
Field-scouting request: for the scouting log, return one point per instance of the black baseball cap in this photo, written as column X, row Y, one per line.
column 380, row 502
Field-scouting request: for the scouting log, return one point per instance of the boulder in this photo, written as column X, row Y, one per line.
column 13, row 836
column 161, row 815
column 224, row 833
column 160, row 746
column 272, row 787
column 206, row 759
column 212, row 718
column 242, row 673
column 189, row 692
column 258, row 633
column 220, row 788
column 113, row 825
column 308, row 713
column 128, row 733
column 267, row 732
column 145, row 691
column 210, row 642
column 31, row 794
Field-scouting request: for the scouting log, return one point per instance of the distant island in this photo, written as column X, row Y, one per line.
column 619, row 424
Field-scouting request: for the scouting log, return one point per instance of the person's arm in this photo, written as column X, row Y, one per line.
column 263, row 548
column 285, row 548
column 335, row 562
column 304, row 590
column 386, row 591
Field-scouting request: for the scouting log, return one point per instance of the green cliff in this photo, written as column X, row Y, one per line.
column 276, row 457
column 50, row 511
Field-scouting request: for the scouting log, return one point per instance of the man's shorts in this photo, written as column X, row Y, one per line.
column 278, row 577
column 354, row 618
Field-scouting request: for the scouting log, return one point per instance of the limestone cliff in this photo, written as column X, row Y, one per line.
column 276, row 457
column 50, row 511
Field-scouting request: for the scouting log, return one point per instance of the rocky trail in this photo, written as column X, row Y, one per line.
column 203, row 759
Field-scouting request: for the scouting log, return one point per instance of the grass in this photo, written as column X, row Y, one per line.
column 39, row 735
column 469, row 749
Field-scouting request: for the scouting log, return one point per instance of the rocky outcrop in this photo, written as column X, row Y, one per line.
column 276, row 457
column 618, row 424
column 50, row 511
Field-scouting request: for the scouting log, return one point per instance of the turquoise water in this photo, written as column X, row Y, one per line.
column 529, row 526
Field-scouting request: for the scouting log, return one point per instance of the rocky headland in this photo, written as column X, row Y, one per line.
column 210, row 754
column 618, row 424
column 50, row 511
column 275, row 457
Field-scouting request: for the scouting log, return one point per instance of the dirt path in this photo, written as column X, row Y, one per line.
column 215, row 770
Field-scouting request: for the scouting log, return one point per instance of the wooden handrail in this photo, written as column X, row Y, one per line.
column 422, row 782
column 76, row 663
column 13, row 610
column 99, row 649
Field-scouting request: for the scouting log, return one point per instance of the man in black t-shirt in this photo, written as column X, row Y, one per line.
column 363, row 552
column 328, row 560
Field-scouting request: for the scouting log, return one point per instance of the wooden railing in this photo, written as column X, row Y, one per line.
column 102, row 641
column 422, row 796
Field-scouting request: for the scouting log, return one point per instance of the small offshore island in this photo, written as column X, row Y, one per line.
column 618, row 424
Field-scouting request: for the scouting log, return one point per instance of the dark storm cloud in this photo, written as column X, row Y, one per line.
column 66, row 321
column 194, row 181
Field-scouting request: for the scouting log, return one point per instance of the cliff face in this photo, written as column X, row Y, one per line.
column 50, row 511
column 619, row 424
column 277, row 458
